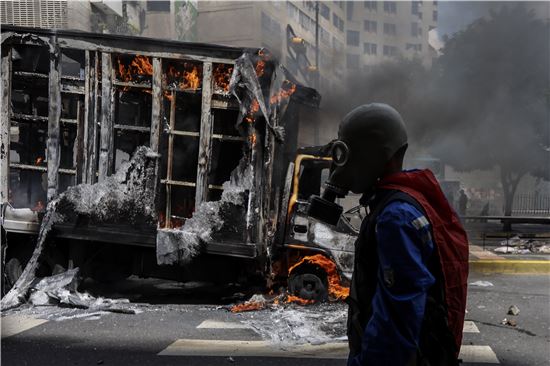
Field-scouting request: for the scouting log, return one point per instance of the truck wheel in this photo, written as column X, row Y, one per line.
column 308, row 286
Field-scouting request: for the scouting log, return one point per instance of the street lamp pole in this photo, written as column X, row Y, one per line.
column 317, row 75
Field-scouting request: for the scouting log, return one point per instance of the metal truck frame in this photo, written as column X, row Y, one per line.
column 76, row 105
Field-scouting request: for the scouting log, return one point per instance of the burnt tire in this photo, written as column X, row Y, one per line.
column 308, row 286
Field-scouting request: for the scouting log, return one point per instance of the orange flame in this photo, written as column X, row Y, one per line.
column 248, row 306
column 38, row 160
column 298, row 300
column 140, row 65
column 335, row 289
column 222, row 76
column 260, row 68
column 188, row 77
column 287, row 89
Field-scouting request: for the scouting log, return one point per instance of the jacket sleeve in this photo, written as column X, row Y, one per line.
column 404, row 247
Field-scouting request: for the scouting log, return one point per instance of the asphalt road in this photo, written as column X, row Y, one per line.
column 198, row 334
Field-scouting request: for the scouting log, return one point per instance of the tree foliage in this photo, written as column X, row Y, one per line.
column 491, row 92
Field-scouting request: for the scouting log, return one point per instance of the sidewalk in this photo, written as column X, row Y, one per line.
column 485, row 261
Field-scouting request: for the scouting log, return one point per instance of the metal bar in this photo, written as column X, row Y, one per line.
column 157, row 102
column 79, row 143
column 40, row 168
column 184, row 133
column 188, row 184
column 5, row 92
column 228, row 137
column 53, row 153
column 30, row 117
column 106, row 145
column 170, row 161
column 92, row 121
column 133, row 128
column 205, row 145
column 44, row 76
column 132, row 85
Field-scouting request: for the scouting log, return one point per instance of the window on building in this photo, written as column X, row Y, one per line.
column 390, row 29
column 349, row 10
column 338, row 22
column 414, row 47
column 270, row 26
column 154, row 5
column 434, row 16
column 325, row 36
column 370, row 26
column 390, row 7
column 324, row 10
column 292, row 12
column 369, row 48
column 371, row 5
column 416, row 31
column 352, row 38
column 390, row 51
column 415, row 7
column 352, row 61
column 337, row 45
column 340, row 4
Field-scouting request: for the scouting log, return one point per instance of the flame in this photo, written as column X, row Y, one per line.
column 38, row 161
column 248, row 306
column 260, row 68
column 140, row 65
column 188, row 77
column 222, row 76
column 298, row 300
column 287, row 89
column 252, row 139
column 39, row 206
column 335, row 289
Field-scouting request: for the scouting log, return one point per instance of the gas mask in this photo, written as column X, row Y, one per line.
column 368, row 137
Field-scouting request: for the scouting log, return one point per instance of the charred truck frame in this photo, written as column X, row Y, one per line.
column 221, row 126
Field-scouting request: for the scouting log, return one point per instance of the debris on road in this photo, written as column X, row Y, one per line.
column 513, row 310
column 316, row 324
column 125, row 194
column 517, row 245
column 481, row 284
column 510, row 322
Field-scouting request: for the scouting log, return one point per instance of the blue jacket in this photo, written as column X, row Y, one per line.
column 404, row 247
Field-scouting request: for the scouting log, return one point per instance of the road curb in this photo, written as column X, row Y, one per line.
column 510, row 266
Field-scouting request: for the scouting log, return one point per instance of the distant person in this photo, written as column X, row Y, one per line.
column 462, row 203
column 408, row 293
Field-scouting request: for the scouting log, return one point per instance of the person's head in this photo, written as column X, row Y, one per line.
column 372, row 140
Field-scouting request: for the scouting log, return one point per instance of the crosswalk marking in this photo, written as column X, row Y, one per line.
column 231, row 348
column 15, row 324
column 470, row 327
column 478, row 354
column 214, row 324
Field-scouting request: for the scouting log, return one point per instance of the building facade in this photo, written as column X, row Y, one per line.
column 171, row 19
column 286, row 28
column 352, row 34
column 380, row 30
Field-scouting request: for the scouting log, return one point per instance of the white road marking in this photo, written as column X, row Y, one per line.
column 478, row 354
column 15, row 324
column 470, row 327
column 214, row 324
column 226, row 348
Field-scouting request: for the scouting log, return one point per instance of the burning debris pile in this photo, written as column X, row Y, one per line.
column 127, row 195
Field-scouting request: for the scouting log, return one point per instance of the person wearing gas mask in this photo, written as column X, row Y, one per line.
column 408, row 293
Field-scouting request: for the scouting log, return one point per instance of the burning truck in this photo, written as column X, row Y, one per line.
column 128, row 155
